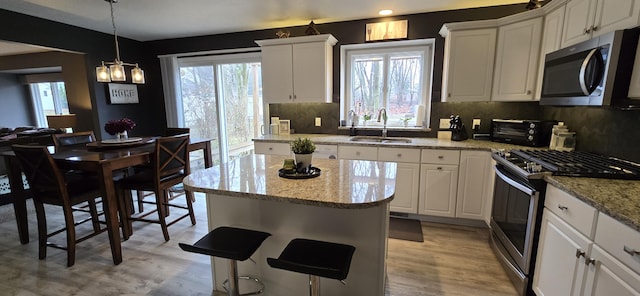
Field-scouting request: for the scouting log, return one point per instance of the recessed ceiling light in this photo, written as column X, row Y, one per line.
column 385, row 12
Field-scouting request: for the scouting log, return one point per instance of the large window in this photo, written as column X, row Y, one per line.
column 49, row 98
column 395, row 76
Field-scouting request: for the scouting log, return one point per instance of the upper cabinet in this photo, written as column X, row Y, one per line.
column 588, row 18
column 468, row 64
column 297, row 69
column 551, row 40
column 517, row 56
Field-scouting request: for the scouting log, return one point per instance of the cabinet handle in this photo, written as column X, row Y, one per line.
column 579, row 253
column 630, row 251
column 448, row 95
column 270, row 148
column 357, row 152
column 594, row 28
column 290, row 97
column 528, row 92
column 399, row 155
column 440, row 157
column 562, row 208
column 439, row 168
column 587, row 30
column 590, row 261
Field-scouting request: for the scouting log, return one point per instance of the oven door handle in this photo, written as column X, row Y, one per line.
column 512, row 182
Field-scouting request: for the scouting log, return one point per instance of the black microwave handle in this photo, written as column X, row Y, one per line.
column 594, row 59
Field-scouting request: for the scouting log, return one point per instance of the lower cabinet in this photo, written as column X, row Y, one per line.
column 572, row 262
column 438, row 184
column 407, row 184
column 272, row 148
column 475, row 185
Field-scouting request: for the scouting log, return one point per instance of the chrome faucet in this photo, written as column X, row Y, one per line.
column 351, row 117
column 383, row 116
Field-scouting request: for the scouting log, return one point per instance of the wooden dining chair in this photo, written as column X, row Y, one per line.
column 175, row 191
column 73, row 140
column 170, row 164
column 49, row 186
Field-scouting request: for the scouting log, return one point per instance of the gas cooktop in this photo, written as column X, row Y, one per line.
column 536, row 163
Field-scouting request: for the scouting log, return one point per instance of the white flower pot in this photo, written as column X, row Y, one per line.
column 303, row 160
column 122, row 136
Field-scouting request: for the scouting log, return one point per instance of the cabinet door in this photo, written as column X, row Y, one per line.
column 407, row 186
column 468, row 63
column 357, row 152
column 608, row 276
column 614, row 15
column 311, row 72
column 438, row 190
column 473, row 181
column 277, row 75
column 517, row 56
column 578, row 19
column 560, row 266
column 551, row 41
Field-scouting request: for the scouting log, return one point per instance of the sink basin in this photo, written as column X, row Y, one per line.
column 375, row 139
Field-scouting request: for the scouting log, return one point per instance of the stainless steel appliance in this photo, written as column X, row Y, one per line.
column 535, row 133
column 519, row 199
column 596, row 72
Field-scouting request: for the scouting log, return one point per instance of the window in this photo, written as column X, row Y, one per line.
column 395, row 76
column 221, row 98
column 49, row 98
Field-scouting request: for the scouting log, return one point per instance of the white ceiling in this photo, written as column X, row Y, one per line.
column 145, row 20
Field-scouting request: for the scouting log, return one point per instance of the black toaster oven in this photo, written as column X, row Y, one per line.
column 534, row 133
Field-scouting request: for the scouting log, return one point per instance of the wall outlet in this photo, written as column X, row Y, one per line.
column 318, row 121
column 444, row 123
column 476, row 123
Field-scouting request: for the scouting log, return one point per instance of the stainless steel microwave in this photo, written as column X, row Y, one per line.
column 596, row 72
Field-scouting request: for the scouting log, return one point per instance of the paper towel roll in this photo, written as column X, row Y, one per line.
column 419, row 115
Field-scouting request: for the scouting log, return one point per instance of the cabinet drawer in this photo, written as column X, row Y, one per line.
column 358, row 152
column 577, row 213
column 619, row 240
column 439, row 156
column 326, row 151
column 399, row 154
column 272, row 148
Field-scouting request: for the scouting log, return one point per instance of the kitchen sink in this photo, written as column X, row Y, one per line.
column 375, row 139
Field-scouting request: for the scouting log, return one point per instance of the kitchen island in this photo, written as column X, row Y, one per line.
column 348, row 203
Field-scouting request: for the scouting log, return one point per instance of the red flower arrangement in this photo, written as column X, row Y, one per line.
column 118, row 126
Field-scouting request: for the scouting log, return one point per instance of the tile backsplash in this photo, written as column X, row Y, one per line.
column 303, row 115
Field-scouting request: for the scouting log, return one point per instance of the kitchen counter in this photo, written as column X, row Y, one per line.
column 619, row 199
column 348, row 203
column 433, row 143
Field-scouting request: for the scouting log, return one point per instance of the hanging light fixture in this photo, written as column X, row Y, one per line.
column 115, row 71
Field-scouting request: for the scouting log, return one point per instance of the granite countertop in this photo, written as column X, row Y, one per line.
column 427, row 143
column 348, row 184
column 619, row 199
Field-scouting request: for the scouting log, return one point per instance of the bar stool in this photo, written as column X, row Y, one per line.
column 317, row 259
column 235, row 244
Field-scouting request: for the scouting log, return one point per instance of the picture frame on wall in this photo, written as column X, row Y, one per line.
column 285, row 126
column 123, row 93
column 392, row 30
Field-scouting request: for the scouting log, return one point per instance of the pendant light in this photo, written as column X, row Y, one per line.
column 116, row 71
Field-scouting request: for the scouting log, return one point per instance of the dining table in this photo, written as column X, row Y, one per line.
column 102, row 158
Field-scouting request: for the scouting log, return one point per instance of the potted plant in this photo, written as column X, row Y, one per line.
column 303, row 149
column 406, row 120
column 366, row 118
column 119, row 127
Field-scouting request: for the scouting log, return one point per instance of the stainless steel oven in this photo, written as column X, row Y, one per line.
column 515, row 220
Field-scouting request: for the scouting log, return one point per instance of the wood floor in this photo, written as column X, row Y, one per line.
column 453, row 260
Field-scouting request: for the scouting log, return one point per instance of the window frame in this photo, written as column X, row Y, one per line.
column 426, row 46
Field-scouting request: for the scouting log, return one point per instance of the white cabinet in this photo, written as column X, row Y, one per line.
column 297, row 69
column 560, row 266
column 407, row 177
column 357, row 152
column 475, row 188
column 517, row 54
column 571, row 262
column 326, row 151
column 468, row 64
column 271, row 148
column 438, row 182
column 588, row 18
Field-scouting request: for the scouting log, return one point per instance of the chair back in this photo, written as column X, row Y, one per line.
column 79, row 139
column 174, row 131
column 41, row 171
column 171, row 157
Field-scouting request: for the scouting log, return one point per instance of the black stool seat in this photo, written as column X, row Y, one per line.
column 228, row 242
column 312, row 257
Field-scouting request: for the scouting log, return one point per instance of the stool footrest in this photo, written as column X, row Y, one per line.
column 247, row 278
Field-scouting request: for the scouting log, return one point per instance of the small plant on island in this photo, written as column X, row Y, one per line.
column 302, row 146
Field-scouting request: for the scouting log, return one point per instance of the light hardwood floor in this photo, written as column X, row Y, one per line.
column 453, row 260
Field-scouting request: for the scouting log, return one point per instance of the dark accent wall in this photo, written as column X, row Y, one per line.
column 14, row 104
